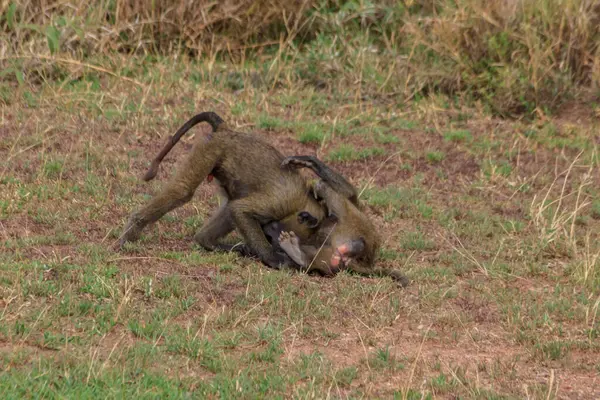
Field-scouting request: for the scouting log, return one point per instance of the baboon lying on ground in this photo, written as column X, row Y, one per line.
column 346, row 238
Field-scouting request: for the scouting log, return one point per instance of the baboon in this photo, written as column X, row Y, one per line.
column 257, row 191
column 346, row 238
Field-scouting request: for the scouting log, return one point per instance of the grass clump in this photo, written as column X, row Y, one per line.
column 435, row 157
column 458, row 136
column 347, row 152
column 514, row 57
column 311, row 133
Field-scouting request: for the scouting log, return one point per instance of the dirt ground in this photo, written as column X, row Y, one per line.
column 496, row 222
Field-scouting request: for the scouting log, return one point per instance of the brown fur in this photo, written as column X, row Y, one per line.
column 257, row 190
column 346, row 235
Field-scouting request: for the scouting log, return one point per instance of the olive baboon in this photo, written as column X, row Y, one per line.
column 257, row 191
column 346, row 237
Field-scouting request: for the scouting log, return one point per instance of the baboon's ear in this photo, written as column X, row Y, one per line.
column 304, row 217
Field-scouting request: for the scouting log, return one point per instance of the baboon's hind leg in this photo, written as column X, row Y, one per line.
column 168, row 199
column 176, row 193
column 290, row 243
column 218, row 225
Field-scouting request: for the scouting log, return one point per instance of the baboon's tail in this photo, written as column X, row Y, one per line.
column 396, row 275
column 212, row 118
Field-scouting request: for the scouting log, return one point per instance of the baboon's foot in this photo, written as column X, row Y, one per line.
column 131, row 232
column 290, row 243
column 202, row 242
column 209, row 244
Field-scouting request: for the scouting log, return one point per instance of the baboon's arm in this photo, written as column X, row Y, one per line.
column 246, row 215
column 328, row 175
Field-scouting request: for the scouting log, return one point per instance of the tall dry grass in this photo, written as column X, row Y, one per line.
column 152, row 26
column 513, row 56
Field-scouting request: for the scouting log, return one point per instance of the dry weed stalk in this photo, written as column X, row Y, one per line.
column 589, row 263
column 555, row 219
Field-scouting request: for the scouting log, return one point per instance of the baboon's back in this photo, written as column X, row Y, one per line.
column 250, row 165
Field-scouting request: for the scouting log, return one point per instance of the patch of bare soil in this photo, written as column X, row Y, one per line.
column 32, row 349
column 491, row 362
column 578, row 111
column 22, row 226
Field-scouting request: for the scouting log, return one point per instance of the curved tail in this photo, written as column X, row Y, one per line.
column 212, row 118
column 396, row 275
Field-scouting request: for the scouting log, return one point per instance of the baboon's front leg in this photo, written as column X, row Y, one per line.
column 250, row 229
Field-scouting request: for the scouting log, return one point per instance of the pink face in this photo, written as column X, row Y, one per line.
column 340, row 258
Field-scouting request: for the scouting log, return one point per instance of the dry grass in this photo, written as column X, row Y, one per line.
column 166, row 26
column 496, row 221
column 513, row 57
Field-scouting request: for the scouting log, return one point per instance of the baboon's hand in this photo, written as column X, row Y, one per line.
column 320, row 188
column 272, row 230
column 298, row 162
column 241, row 248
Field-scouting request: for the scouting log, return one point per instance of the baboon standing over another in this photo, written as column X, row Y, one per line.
column 257, row 191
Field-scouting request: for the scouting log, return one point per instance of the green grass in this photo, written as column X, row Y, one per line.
column 269, row 123
column 311, row 133
column 502, row 251
column 435, row 157
column 348, row 152
column 417, row 241
column 458, row 136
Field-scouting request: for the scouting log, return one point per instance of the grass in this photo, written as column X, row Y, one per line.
column 512, row 65
column 458, row 136
column 435, row 157
column 348, row 152
column 495, row 220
